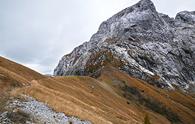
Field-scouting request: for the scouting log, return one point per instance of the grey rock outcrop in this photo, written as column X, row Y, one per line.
column 142, row 42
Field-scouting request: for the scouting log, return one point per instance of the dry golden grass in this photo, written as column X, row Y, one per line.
column 179, row 103
column 14, row 75
column 90, row 99
column 20, row 70
column 85, row 98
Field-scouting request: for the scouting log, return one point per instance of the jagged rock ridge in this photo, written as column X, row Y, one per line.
column 142, row 42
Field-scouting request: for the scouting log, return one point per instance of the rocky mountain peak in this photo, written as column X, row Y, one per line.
column 143, row 43
column 186, row 17
column 145, row 5
column 141, row 17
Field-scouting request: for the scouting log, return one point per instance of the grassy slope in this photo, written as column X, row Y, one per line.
column 19, row 70
column 13, row 75
column 90, row 99
column 181, row 105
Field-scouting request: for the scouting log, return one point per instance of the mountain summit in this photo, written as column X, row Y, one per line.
column 141, row 42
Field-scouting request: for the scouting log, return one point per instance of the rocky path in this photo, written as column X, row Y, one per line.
column 30, row 111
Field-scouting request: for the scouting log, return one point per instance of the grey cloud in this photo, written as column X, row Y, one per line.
column 38, row 33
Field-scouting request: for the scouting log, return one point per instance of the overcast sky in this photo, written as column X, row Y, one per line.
column 37, row 33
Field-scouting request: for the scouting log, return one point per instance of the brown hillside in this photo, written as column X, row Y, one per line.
column 88, row 99
column 173, row 104
column 110, row 99
column 14, row 75
column 18, row 69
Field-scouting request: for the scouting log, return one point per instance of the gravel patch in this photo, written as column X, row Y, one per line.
column 30, row 111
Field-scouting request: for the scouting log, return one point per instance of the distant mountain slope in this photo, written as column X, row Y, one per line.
column 143, row 43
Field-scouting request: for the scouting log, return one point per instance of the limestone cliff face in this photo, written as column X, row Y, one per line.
column 142, row 42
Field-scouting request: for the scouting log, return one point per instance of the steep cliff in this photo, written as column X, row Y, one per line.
column 142, row 42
